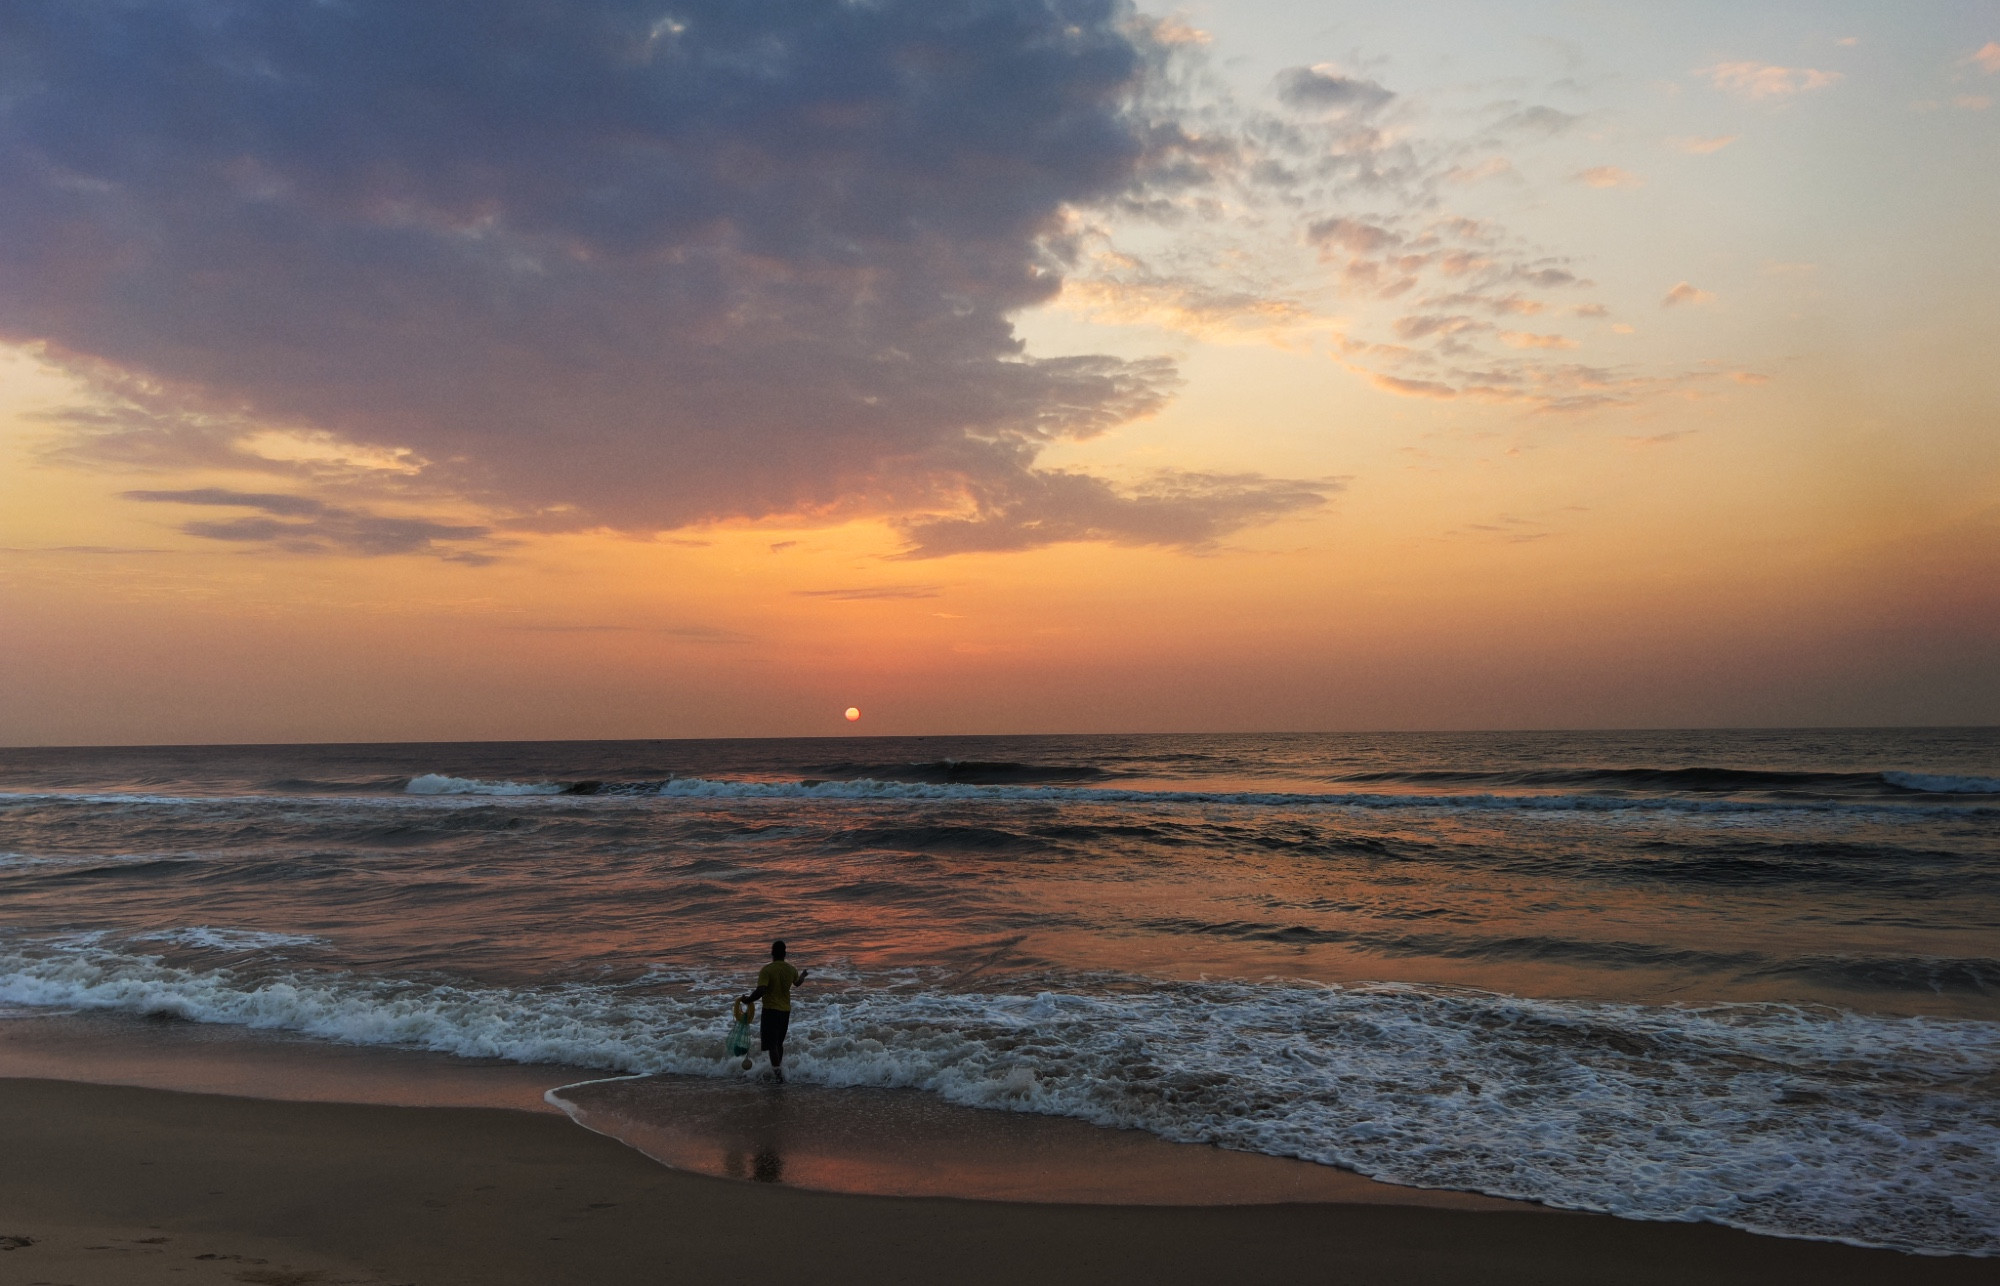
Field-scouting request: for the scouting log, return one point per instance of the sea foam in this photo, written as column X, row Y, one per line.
column 864, row 789
column 438, row 784
column 1798, row 1121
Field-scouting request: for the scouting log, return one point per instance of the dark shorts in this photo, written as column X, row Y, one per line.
column 771, row 1025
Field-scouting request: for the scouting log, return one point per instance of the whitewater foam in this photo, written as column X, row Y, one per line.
column 441, row 790
column 438, row 784
column 206, row 937
column 865, row 789
column 1798, row 1121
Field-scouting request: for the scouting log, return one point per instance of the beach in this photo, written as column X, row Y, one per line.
column 1015, row 641
column 119, row 1184
column 1140, row 1006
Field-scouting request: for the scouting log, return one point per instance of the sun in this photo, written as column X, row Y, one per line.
column 853, row 713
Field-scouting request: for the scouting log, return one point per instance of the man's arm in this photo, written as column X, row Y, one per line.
column 754, row 996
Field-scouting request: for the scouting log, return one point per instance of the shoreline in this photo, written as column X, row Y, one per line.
column 865, row 1141
column 116, row 1184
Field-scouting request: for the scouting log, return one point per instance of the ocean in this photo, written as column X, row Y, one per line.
column 1750, row 977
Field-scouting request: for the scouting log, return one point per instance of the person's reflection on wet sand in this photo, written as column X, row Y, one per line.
column 757, row 1153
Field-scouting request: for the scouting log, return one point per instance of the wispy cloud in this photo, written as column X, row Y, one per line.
column 1122, row 290
column 1702, row 146
column 1474, row 172
column 1642, row 442
column 1505, row 529
column 1191, row 511
column 1538, row 119
column 88, row 550
column 1763, row 80
column 1325, row 87
column 1524, row 339
column 302, row 525
column 1685, row 293
column 693, row 633
column 1767, row 81
column 871, row 593
column 1987, row 57
column 1609, row 176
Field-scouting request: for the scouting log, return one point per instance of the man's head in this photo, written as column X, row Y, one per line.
column 778, row 949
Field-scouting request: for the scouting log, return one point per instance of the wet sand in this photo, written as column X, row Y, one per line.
column 112, row 1184
column 870, row 1141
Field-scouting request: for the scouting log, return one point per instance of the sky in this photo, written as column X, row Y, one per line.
column 380, row 371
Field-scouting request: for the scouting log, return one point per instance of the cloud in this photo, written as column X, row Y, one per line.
column 1987, row 57
column 1972, row 102
column 1683, row 293
column 114, row 550
column 1190, row 511
column 1355, row 236
column 1699, row 146
column 693, row 633
column 870, row 593
column 1530, row 382
column 1425, row 325
column 301, row 525
column 1174, row 30
column 1546, row 121
column 1759, row 80
column 1479, row 171
column 1508, row 529
column 1524, row 339
column 1642, row 443
column 580, row 265
column 1324, row 88
column 1131, row 293
column 1609, row 176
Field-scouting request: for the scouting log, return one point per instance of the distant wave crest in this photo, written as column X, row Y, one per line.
column 1939, row 784
column 871, row 788
column 438, row 784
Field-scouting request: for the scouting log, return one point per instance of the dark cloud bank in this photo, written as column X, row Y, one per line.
column 598, row 263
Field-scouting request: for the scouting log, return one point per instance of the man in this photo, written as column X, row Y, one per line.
column 774, row 987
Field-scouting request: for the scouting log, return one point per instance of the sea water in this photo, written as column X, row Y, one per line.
column 1748, row 977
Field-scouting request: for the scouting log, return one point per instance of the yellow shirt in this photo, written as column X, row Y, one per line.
column 776, row 979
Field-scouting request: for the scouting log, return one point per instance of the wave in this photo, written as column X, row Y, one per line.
column 1976, row 975
column 206, row 938
column 975, row 772
column 1690, row 781
column 438, row 784
column 868, row 788
column 440, row 788
column 1804, row 1122
column 1940, row 784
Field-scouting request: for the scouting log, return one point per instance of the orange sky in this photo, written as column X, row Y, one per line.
column 1772, row 497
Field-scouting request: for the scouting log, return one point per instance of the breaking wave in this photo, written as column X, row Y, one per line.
column 438, row 784
column 1799, row 1121
column 871, row 788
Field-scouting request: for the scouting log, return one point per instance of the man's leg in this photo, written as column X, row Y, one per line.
column 775, row 1024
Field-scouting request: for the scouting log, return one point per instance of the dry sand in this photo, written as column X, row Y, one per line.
column 120, row 1185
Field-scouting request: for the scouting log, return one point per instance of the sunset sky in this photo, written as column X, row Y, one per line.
column 388, row 371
